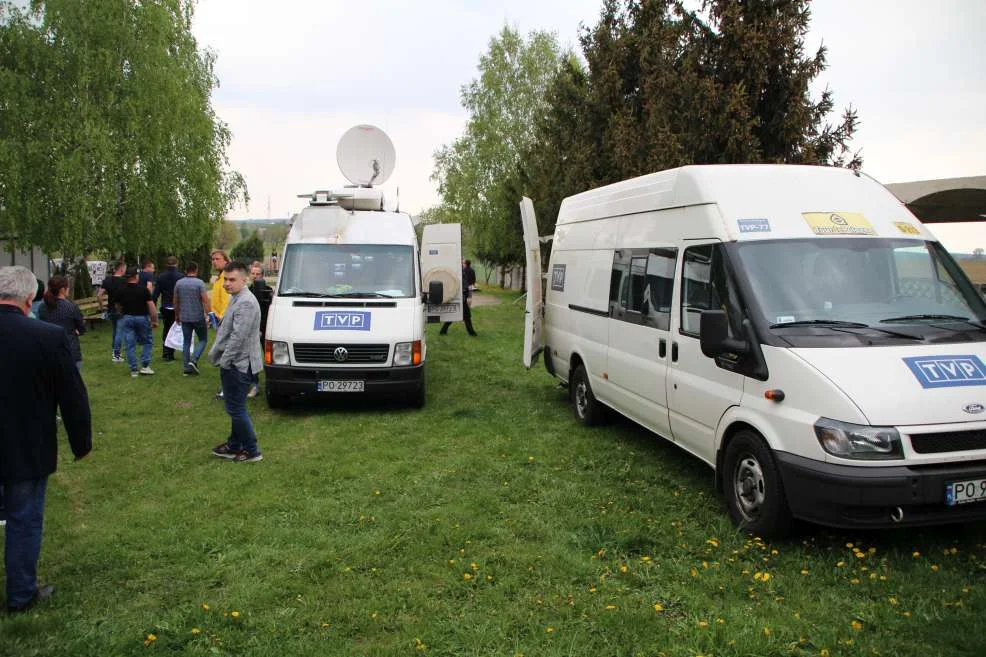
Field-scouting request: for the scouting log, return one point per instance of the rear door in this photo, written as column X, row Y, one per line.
column 534, row 308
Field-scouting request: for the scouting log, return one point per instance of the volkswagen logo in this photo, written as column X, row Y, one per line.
column 340, row 354
column 974, row 408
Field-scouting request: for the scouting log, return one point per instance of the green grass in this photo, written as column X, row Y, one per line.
column 488, row 523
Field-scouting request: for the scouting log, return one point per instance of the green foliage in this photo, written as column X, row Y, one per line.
column 109, row 139
column 250, row 249
column 354, row 535
column 476, row 172
column 225, row 235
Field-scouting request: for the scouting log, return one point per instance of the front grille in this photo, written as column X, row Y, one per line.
column 355, row 353
column 952, row 441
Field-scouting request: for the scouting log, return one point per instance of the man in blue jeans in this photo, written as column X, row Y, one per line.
column 139, row 317
column 191, row 298
column 112, row 283
column 236, row 351
column 37, row 374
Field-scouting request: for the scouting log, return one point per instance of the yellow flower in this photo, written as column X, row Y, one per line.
column 624, row 568
column 714, row 542
column 915, row 554
column 892, row 600
column 906, row 614
column 824, row 652
column 658, row 607
column 419, row 645
column 856, row 625
column 645, row 559
column 205, row 607
column 195, row 631
column 854, row 580
column 474, row 566
column 235, row 614
column 376, row 491
column 150, row 639
column 592, row 589
column 550, row 629
column 872, row 550
column 860, row 555
column 530, row 458
column 766, row 631
column 694, row 573
column 840, row 564
column 703, row 623
column 849, row 545
column 466, row 576
column 934, row 568
column 804, row 571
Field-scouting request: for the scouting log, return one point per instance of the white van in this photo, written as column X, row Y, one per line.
column 348, row 315
column 795, row 327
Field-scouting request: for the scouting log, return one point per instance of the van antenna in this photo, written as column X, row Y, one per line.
column 398, row 208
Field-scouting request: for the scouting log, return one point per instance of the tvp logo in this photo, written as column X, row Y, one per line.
column 333, row 320
column 947, row 371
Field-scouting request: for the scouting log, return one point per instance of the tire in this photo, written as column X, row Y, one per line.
column 753, row 487
column 274, row 401
column 588, row 411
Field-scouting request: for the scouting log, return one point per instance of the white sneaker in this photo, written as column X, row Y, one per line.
column 117, row 359
column 253, row 391
column 134, row 374
column 146, row 370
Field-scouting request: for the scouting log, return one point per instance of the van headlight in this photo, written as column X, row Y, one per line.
column 407, row 353
column 858, row 441
column 276, row 353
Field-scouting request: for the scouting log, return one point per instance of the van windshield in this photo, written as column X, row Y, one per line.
column 861, row 281
column 347, row 270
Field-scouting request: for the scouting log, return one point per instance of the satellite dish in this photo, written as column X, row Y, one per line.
column 366, row 155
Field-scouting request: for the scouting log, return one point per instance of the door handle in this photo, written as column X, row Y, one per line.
column 674, row 352
column 662, row 347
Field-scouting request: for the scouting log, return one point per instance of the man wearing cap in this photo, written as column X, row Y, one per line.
column 37, row 374
column 139, row 318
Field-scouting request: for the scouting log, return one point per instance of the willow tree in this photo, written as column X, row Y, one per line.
column 108, row 138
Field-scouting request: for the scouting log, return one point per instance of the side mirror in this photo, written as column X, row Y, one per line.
column 713, row 331
column 436, row 292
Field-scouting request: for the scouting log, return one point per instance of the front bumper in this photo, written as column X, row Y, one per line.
column 288, row 381
column 848, row 496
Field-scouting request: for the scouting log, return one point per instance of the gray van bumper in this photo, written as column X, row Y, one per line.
column 285, row 381
column 847, row 496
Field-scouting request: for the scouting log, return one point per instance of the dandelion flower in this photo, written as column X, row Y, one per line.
column 854, row 580
column 624, row 568
column 196, row 631
column 658, row 607
column 916, row 554
column 703, row 623
column 611, row 606
column 694, row 573
column 550, row 629
column 766, row 631
column 474, row 566
column 419, row 645
column 824, row 652
column 934, row 568
column 150, row 639
column 205, row 607
column 840, row 564
column 466, row 576
column 856, row 625
column 849, row 545
column 892, row 600
column 804, row 571
column 714, row 542
column 235, row 614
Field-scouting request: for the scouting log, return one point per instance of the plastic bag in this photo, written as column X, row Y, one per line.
column 175, row 338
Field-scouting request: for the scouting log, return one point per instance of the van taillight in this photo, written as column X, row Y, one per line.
column 416, row 353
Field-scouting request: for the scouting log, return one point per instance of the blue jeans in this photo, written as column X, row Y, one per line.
column 114, row 318
column 201, row 332
column 137, row 330
column 236, row 384
column 25, row 501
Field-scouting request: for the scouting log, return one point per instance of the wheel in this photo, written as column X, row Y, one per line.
column 274, row 401
column 754, row 491
column 588, row 411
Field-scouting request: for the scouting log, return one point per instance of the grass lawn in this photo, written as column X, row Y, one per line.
column 488, row 523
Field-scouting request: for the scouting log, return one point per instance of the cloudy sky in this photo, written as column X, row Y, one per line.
column 296, row 74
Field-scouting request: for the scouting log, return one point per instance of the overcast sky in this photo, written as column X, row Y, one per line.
column 296, row 74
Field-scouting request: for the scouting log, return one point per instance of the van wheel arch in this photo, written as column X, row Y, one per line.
column 748, row 475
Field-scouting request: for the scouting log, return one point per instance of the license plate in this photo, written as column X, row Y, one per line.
column 960, row 492
column 340, row 386
column 443, row 308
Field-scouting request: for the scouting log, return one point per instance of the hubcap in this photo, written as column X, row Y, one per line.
column 581, row 398
column 749, row 486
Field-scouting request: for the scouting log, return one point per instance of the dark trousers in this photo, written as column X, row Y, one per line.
column 236, row 384
column 25, row 502
column 168, row 316
column 466, row 319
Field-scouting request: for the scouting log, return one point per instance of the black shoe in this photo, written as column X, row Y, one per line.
column 246, row 457
column 473, row 333
column 224, row 452
column 42, row 594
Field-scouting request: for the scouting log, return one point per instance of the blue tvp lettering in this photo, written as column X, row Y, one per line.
column 334, row 320
column 947, row 371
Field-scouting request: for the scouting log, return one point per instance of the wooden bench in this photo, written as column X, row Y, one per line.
column 91, row 311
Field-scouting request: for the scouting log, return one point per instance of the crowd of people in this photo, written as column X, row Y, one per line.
column 41, row 365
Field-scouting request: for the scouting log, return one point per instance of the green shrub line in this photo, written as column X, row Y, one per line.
column 487, row 523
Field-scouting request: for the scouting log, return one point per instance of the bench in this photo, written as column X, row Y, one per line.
column 91, row 311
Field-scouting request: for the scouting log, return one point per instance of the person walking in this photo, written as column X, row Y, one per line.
column 265, row 295
column 467, row 273
column 164, row 289
column 191, row 297
column 37, row 374
column 237, row 354
column 139, row 318
column 106, row 297
column 57, row 309
column 146, row 277
column 219, row 298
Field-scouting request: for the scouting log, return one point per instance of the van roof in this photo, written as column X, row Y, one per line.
column 778, row 193
column 331, row 224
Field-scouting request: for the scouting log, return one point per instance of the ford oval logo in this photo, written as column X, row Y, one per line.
column 974, row 408
column 341, row 354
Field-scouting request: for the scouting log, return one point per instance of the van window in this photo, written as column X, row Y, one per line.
column 641, row 285
column 349, row 270
column 706, row 285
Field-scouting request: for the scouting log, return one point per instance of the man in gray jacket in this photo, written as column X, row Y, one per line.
column 236, row 351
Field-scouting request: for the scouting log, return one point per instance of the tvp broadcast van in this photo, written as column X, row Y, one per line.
column 348, row 315
column 795, row 327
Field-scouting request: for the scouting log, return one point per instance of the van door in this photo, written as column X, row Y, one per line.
column 534, row 308
column 701, row 391
column 641, row 287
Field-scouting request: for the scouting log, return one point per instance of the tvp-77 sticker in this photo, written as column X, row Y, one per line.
column 838, row 223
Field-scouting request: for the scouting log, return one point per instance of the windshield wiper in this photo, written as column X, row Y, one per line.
column 821, row 322
column 904, row 318
column 351, row 295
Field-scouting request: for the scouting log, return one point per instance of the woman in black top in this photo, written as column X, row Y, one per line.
column 56, row 309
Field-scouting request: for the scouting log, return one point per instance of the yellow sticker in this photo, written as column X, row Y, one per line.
column 838, row 223
column 906, row 228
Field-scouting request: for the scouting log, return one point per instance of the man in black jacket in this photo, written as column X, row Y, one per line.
column 165, row 289
column 36, row 374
